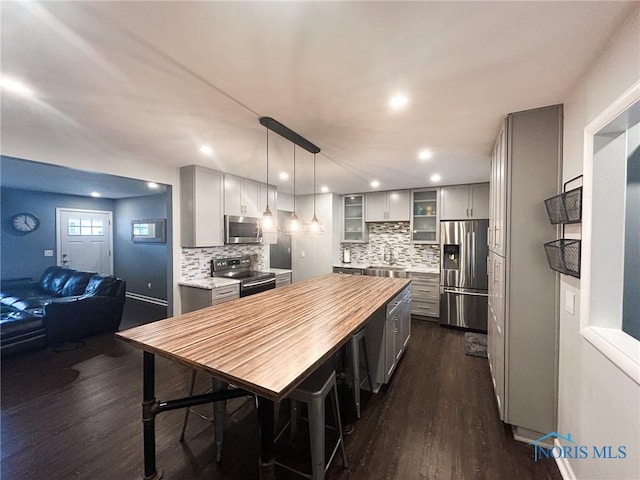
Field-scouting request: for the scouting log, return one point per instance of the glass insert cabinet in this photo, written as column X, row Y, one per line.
column 353, row 215
column 425, row 216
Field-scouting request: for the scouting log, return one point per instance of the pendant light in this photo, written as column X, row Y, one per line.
column 315, row 227
column 294, row 226
column 268, row 223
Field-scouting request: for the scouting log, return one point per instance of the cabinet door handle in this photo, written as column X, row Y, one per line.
column 471, row 212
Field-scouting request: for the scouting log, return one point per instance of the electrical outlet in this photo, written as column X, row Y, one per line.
column 48, row 253
column 570, row 302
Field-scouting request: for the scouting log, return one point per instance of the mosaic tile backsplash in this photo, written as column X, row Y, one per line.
column 195, row 261
column 397, row 235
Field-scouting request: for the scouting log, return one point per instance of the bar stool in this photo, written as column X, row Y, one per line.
column 356, row 340
column 313, row 391
column 219, row 412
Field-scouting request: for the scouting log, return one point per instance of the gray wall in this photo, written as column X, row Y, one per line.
column 598, row 401
column 140, row 264
column 22, row 255
column 318, row 250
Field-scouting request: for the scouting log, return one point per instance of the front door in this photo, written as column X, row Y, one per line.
column 84, row 240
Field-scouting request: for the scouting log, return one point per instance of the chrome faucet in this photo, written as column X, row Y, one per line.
column 388, row 254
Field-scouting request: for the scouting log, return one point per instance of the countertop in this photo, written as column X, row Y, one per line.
column 208, row 283
column 268, row 343
column 276, row 270
column 431, row 270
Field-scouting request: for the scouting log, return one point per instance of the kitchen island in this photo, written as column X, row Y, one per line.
column 265, row 344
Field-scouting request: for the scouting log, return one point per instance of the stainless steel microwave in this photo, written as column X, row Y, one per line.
column 242, row 230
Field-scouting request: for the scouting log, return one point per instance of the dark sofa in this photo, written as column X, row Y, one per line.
column 64, row 305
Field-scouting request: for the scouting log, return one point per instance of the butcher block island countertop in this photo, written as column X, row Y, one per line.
column 269, row 342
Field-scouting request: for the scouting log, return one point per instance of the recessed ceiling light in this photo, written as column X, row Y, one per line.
column 206, row 150
column 324, row 189
column 14, row 86
column 425, row 154
column 152, row 185
column 96, row 194
column 435, row 177
column 398, row 101
column 284, row 176
column 375, row 184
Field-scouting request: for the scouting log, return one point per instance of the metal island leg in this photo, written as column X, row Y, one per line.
column 149, row 417
column 265, row 418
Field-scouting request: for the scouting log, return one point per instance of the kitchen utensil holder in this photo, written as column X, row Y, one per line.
column 563, row 256
column 566, row 207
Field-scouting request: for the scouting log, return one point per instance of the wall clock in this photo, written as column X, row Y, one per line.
column 25, row 222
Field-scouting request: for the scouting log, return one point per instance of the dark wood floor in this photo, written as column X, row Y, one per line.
column 76, row 414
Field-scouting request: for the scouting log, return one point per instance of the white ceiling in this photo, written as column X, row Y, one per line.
column 152, row 81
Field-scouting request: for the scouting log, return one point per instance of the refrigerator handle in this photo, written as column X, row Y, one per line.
column 469, row 258
column 473, row 256
column 471, row 294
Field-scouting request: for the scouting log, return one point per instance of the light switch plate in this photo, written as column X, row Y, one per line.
column 48, row 253
column 570, row 302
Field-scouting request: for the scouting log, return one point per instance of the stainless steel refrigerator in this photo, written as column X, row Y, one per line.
column 463, row 275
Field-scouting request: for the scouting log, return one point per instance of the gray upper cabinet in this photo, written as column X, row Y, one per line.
column 241, row 196
column 464, row 202
column 393, row 206
column 245, row 197
column 425, row 220
column 201, row 205
column 354, row 229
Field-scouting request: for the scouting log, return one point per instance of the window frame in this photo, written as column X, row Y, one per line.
column 619, row 347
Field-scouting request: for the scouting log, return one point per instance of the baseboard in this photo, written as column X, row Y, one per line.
column 563, row 465
column 526, row 435
column 145, row 298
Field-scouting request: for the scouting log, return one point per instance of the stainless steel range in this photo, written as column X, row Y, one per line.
column 241, row 268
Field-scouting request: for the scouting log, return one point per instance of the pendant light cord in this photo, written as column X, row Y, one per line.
column 294, row 178
column 314, row 184
column 267, row 169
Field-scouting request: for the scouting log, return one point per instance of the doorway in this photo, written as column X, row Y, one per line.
column 84, row 239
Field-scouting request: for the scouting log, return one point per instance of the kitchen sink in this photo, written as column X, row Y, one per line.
column 385, row 271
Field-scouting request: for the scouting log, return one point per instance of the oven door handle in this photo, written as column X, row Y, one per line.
column 261, row 282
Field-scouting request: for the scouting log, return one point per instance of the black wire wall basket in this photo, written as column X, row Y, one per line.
column 563, row 256
column 566, row 207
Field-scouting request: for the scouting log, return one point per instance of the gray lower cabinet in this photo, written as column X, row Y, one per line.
column 283, row 279
column 425, row 294
column 195, row 298
column 387, row 336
